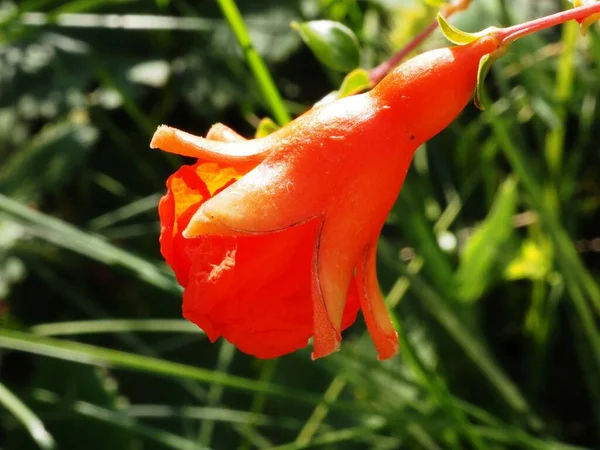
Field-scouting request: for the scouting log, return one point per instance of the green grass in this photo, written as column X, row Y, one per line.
column 489, row 260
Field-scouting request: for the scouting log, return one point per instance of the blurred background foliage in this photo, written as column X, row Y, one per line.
column 489, row 259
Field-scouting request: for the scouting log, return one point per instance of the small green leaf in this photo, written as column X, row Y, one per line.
column 334, row 44
column 266, row 127
column 356, row 81
column 587, row 22
column 455, row 35
column 484, row 67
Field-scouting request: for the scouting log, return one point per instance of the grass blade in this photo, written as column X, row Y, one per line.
column 27, row 417
column 438, row 390
column 98, row 356
column 470, row 344
column 338, row 436
column 215, row 392
column 67, row 236
column 120, row 420
column 115, row 326
column 256, row 63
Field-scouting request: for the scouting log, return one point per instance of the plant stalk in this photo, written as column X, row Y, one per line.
column 509, row 34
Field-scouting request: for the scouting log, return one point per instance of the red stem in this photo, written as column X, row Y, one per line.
column 516, row 31
column 506, row 35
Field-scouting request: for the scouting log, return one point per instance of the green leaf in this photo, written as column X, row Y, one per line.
column 586, row 23
column 356, row 81
column 485, row 63
column 334, row 44
column 484, row 67
column 455, row 35
column 266, row 127
column 474, row 274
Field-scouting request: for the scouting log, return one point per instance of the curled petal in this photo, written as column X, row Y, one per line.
column 376, row 315
column 220, row 132
column 239, row 154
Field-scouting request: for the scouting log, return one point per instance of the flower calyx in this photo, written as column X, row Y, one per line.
column 586, row 12
column 584, row 24
column 459, row 37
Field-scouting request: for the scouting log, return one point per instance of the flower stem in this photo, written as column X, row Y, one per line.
column 379, row 72
column 256, row 63
column 509, row 34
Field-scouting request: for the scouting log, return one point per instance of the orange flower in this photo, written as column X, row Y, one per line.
column 274, row 239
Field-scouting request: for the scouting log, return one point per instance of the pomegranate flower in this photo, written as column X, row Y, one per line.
column 274, row 239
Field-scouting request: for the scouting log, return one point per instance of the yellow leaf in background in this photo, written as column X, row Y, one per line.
column 533, row 262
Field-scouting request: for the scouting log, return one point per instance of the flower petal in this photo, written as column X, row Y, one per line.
column 187, row 189
column 336, row 254
column 255, row 291
column 220, row 132
column 238, row 153
column 375, row 312
column 267, row 199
